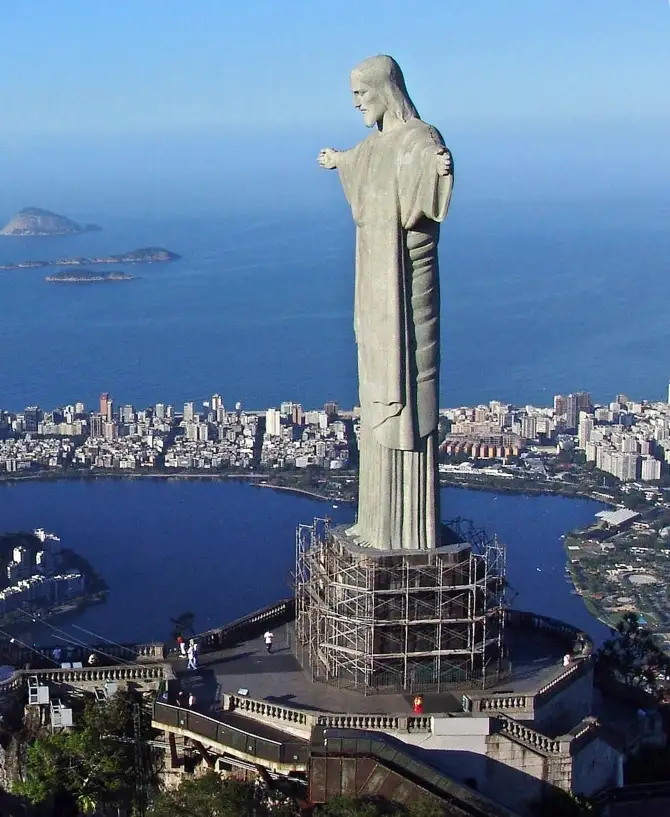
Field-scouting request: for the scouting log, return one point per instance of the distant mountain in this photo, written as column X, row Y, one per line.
column 34, row 221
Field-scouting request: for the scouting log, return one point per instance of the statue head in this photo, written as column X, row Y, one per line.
column 379, row 92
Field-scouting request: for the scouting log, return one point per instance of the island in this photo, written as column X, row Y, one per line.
column 33, row 221
column 86, row 277
column 40, row 578
column 145, row 255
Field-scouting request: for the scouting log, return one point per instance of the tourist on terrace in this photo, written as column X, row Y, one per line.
column 192, row 656
column 191, row 700
column 93, row 660
column 268, row 640
column 57, row 655
column 181, row 644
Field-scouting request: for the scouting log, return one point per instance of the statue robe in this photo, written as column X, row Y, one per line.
column 397, row 200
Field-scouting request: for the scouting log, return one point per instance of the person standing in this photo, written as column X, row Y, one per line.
column 57, row 655
column 191, row 700
column 192, row 657
column 181, row 644
column 268, row 640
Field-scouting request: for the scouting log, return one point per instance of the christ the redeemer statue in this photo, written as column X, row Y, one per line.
column 398, row 182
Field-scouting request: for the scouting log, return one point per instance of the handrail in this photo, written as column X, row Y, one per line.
column 218, row 730
column 117, row 672
column 219, row 637
column 288, row 717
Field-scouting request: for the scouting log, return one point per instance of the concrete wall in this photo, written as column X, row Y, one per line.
column 594, row 767
column 566, row 708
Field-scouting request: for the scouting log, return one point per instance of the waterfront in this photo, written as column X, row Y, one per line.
column 221, row 549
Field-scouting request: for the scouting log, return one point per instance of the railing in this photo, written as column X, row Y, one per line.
column 305, row 719
column 566, row 633
column 580, row 667
column 57, row 675
column 527, row 736
column 247, row 626
column 15, row 654
column 498, row 703
column 218, row 731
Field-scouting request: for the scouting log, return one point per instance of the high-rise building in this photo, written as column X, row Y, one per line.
column 560, row 405
column 79, row 408
column 297, row 415
column 273, row 422
column 624, row 466
column 331, row 408
column 127, row 414
column 585, row 429
column 106, row 406
column 216, row 402
column 189, row 412
column 32, row 417
column 651, row 469
column 574, row 403
column 97, row 421
column 529, row 427
column 159, row 411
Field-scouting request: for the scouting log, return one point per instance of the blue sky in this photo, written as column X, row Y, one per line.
column 152, row 84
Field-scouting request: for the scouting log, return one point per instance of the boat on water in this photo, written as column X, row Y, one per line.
column 336, row 506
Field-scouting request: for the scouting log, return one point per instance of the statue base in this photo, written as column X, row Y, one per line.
column 399, row 620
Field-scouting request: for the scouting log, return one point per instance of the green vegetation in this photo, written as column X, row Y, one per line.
column 93, row 765
column 633, row 656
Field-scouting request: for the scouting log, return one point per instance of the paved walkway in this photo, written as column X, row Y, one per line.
column 278, row 677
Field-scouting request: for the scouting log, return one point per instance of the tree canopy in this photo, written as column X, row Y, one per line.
column 76, row 771
column 633, row 656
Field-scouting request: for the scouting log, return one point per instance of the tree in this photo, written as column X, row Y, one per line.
column 212, row 796
column 183, row 624
column 94, row 764
column 633, row 656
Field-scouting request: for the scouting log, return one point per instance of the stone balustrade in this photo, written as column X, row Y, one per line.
column 524, row 734
column 246, row 627
column 42, row 656
column 92, row 675
column 305, row 719
column 499, row 703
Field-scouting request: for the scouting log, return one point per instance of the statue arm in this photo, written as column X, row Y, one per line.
column 426, row 181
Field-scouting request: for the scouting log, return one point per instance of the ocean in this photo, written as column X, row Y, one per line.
column 538, row 298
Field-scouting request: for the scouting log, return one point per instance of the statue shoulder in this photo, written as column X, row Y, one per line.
column 427, row 134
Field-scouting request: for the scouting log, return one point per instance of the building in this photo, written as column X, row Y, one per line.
column 574, row 403
column 106, row 406
column 32, row 417
column 586, row 426
column 273, row 422
column 189, row 412
column 651, row 469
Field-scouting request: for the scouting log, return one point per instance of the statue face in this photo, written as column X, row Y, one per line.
column 368, row 102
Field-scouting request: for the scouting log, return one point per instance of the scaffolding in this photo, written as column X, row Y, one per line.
column 400, row 621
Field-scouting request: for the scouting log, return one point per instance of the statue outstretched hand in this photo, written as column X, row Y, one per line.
column 328, row 158
column 445, row 164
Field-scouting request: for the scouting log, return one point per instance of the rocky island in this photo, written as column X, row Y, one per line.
column 86, row 277
column 145, row 255
column 33, row 221
column 42, row 578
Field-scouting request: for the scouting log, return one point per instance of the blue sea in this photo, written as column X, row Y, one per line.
column 538, row 298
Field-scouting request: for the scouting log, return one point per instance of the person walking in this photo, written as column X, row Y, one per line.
column 268, row 640
column 191, row 700
column 192, row 656
column 181, row 698
column 181, row 644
